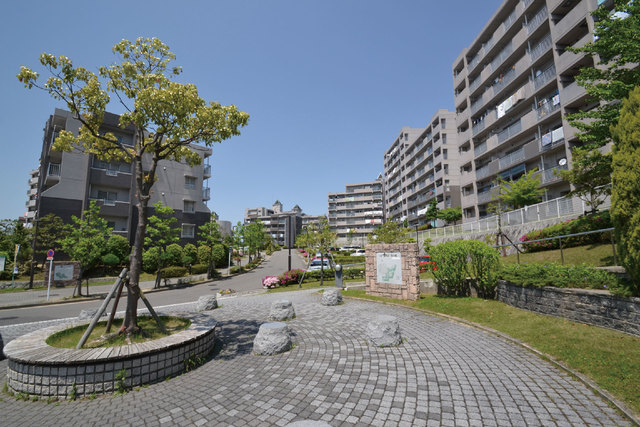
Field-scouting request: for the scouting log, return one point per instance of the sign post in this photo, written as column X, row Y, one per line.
column 229, row 264
column 50, row 259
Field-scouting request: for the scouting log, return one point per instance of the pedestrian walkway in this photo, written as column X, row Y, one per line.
column 444, row 373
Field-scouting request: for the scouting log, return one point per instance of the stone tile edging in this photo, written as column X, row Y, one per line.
column 609, row 398
column 36, row 368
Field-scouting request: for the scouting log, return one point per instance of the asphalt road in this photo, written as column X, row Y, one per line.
column 273, row 265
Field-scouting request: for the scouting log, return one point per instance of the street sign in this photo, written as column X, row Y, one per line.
column 50, row 253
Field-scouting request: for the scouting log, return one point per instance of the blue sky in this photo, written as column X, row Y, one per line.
column 328, row 84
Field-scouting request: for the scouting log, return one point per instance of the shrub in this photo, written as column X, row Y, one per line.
column 150, row 260
column 220, row 255
column 110, row 260
column 190, row 254
column 199, row 268
column 270, row 282
column 173, row 255
column 237, row 269
column 169, row 272
column 290, row 277
column 348, row 259
column 483, row 268
column 329, row 273
column 577, row 225
column 564, row 276
column 204, row 254
column 451, row 259
column 119, row 246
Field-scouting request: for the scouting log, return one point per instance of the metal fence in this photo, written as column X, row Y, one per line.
column 563, row 207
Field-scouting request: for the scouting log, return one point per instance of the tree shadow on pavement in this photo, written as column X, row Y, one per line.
column 234, row 338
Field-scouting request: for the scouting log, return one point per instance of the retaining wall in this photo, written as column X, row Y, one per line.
column 597, row 308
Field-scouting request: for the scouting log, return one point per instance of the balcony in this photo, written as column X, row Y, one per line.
column 466, row 156
column 543, row 46
column 482, row 172
column 547, row 108
column 544, row 77
column 571, row 94
column 206, row 172
column 511, row 159
column 479, row 149
column 53, row 174
column 476, row 60
column 569, row 59
column 504, row 80
column 30, row 203
column 502, row 56
column 549, row 176
column 484, row 197
column 33, row 180
column 509, row 131
column 570, row 21
column 537, row 20
column 206, row 193
column 32, row 192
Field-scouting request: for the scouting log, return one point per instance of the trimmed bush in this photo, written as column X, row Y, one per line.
column 220, row 255
column 173, row 255
column 199, row 269
column 204, row 254
column 348, row 259
column 189, row 255
column 150, row 260
column 169, row 272
column 483, row 268
column 291, row 277
column 578, row 225
column 119, row 246
column 237, row 269
column 329, row 273
column 110, row 260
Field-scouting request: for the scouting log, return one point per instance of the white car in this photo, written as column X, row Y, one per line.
column 316, row 264
column 358, row 252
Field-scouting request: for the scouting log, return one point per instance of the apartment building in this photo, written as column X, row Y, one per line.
column 282, row 226
column 356, row 212
column 422, row 165
column 513, row 86
column 68, row 181
column 32, row 199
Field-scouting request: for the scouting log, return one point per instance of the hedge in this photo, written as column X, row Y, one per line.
column 169, row 272
column 591, row 222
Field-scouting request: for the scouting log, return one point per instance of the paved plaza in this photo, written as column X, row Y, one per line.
column 444, row 373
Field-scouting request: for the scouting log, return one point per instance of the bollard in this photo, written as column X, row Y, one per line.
column 338, row 273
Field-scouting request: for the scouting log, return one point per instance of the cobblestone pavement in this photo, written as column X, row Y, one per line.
column 443, row 373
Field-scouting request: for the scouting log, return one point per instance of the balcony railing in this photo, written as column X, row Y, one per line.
column 504, row 80
column 504, row 53
column 54, row 169
column 484, row 197
column 509, row 131
column 477, row 127
column 550, row 175
column 479, row 149
column 511, row 158
column 510, row 19
column 206, row 193
column 482, row 172
column 476, row 60
column 206, row 171
column 540, row 48
column 538, row 19
column 544, row 77
column 547, row 108
column 474, row 84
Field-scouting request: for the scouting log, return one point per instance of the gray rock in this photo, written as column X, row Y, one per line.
column 272, row 338
column 207, row 302
column 87, row 314
column 1, row 348
column 332, row 296
column 281, row 310
column 384, row 331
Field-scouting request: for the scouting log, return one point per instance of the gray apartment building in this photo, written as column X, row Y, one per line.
column 282, row 226
column 356, row 212
column 513, row 86
column 67, row 182
column 422, row 165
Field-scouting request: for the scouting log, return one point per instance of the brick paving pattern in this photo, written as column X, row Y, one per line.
column 443, row 373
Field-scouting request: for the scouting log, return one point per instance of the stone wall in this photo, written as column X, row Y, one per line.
column 597, row 308
column 409, row 288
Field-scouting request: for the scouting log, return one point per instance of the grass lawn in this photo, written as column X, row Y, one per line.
column 599, row 255
column 611, row 359
column 69, row 338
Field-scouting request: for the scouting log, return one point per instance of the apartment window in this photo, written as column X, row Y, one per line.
column 190, row 182
column 110, row 196
column 189, row 206
column 444, row 151
column 188, row 231
column 443, row 123
column 444, row 138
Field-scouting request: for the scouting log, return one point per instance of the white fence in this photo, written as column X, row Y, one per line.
column 563, row 207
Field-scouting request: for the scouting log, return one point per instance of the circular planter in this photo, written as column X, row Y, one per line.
column 36, row 368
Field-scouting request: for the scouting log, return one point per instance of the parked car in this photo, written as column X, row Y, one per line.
column 358, row 252
column 425, row 264
column 316, row 264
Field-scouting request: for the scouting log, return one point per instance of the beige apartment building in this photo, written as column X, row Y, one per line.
column 356, row 212
column 513, row 85
column 421, row 165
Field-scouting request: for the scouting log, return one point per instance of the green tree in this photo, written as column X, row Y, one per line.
column 120, row 247
column 521, row 192
column 390, row 232
column 86, row 239
column 255, row 237
column 451, row 215
column 238, row 239
column 167, row 116
column 625, row 196
column 190, row 255
column 433, row 212
column 590, row 175
column 209, row 234
column 50, row 232
column 12, row 233
column 161, row 232
column 616, row 53
column 319, row 238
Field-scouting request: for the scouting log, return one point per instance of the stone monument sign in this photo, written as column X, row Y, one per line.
column 392, row 270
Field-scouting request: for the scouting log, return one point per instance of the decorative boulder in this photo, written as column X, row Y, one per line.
column 87, row 314
column 207, row 302
column 332, row 296
column 1, row 348
column 384, row 331
column 281, row 310
column 272, row 338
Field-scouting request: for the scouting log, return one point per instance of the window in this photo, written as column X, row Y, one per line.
column 189, row 206
column 190, row 182
column 444, row 138
column 188, row 231
column 443, row 123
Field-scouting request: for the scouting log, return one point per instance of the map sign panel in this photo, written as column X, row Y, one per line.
column 63, row 272
column 389, row 267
